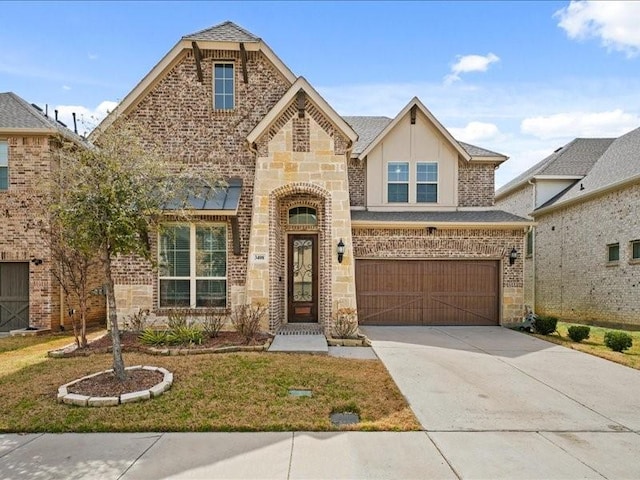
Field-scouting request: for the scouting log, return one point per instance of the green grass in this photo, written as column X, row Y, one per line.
column 595, row 344
column 8, row 344
column 222, row 392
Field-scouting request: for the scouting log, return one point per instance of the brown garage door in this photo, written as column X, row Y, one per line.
column 427, row 292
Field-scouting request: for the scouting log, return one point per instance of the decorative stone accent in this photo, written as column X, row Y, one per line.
column 81, row 400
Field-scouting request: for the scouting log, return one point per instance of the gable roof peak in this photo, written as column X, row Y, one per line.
column 223, row 32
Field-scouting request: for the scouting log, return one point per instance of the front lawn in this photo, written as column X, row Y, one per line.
column 595, row 344
column 220, row 392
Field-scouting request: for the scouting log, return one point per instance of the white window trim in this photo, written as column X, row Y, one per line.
column 436, row 183
column 233, row 64
column 395, row 182
column 192, row 262
column 632, row 259
column 609, row 246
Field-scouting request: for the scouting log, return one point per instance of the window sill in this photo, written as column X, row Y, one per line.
column 634, row 261
column 615, row 263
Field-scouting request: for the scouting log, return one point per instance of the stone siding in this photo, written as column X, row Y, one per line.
column 475, row 184
column 418, row 243
column 575, row 282
column 518, row 202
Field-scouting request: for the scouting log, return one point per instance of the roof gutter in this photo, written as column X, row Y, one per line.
column 587, row 196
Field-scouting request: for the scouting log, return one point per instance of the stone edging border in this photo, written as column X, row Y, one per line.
column 84, row 401
column 70, row 350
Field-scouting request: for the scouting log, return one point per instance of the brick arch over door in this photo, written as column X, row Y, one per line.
column 280, row 200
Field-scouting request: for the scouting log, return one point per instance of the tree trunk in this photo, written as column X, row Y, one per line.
column 118, row 362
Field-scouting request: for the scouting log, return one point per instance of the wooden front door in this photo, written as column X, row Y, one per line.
column 302, row 278
column 14, row 296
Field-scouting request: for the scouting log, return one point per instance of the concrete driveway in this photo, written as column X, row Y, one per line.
column 501, row 404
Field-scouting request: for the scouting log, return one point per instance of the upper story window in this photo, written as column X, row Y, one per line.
column 303, row 216
column 223, row 86
column 530, row 243
column 4, row 165
column 613, row 252
column 427, row 182
column 398, row 182
column 193, row 265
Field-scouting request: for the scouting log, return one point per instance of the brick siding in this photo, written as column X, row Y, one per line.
column 476, row 184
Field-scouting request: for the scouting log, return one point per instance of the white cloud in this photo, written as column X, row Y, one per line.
column 66, row 87
column 581, row 124
column 470, row 63
column 614, row 22
column 476, row 132
column 92, row 56
column 87, row 118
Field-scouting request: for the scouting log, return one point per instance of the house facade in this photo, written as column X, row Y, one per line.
column 583, row 261
column 393, row 217
column 30, row 296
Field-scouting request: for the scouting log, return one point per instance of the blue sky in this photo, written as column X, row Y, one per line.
column 520, row 78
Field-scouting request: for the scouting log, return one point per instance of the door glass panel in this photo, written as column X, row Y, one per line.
column 302, row 271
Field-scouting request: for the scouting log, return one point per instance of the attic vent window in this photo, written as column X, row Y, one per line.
column 303, row 216
column 223, row 86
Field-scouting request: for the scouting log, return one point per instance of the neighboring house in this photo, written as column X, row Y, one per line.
column 585, row 263
column 29, row 294
column 411, row 207
column 543, row 182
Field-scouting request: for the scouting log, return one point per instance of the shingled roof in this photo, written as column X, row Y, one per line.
column 17, row 113
column 575, row 159
column 368, row 128
column 620, row 162
column 223, row 32
column 467, row 217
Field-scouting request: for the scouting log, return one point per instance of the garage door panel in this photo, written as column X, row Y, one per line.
column 427, row 292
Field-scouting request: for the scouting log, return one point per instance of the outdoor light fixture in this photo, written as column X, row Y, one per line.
column 36, row 261
column 340, row 251
column 512, row 256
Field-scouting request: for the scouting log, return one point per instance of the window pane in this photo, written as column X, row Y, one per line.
column 211, row 251
column 4, row 154
column 211, row 293
column 4, row 178
column 302, row 216
column 398, row 172
column 614, row 252
column 174, row 252
column 174, row 293
column 530, row 243
column 427, row 172
column 223, row 86
column 635, row 254
column 427, row 193
column 398, row 192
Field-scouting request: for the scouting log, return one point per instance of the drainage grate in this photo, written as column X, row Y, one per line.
column 344, row 418
column 294, row 392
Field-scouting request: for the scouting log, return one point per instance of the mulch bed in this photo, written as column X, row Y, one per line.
column 131, row 343
column 107, row 385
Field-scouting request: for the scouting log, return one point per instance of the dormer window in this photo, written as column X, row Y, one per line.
column 4, row 165
column 223, row 86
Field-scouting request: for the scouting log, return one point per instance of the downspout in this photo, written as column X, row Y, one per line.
column 533, row 252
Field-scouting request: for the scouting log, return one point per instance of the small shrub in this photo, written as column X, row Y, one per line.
column 152, row 337
column 618, row 341
column 345, row 323
column 212, row 322
column 185, row 335
column 545, row 325
column 246, row 320
column 138, row 321
column 577, row 333
column 177, row 318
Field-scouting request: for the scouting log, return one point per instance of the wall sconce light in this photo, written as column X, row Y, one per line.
column 513, row 255
column 340, row 251
column 36, row 261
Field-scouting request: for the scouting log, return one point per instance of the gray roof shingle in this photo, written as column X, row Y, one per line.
column 576, row 158
column 368, row 128
column 475, row 216
column 223, row 32
column 619, row 162
column 15, row 112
